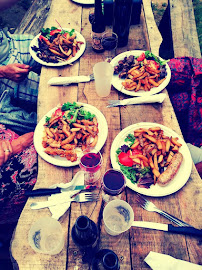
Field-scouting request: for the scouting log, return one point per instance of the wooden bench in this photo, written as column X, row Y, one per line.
column 178, row 30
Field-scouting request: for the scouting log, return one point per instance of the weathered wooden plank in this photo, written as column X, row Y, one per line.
column 34, row 18
column 68, row 15
column 183, row 27
column 154, row 35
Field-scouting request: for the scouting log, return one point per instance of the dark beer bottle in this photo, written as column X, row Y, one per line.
column 121, row 21
column 98, row 27
column 85, row 236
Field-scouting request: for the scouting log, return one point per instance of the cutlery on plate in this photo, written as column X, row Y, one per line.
column 49, row 191
column 149, row 206
column 70, row 80
column 83, row 197
column 167, row 228
column 138, row 100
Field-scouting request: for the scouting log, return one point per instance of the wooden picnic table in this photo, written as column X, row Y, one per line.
column 134, row 245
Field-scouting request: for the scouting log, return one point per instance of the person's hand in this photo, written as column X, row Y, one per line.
column 15, row 72
column 5, row 151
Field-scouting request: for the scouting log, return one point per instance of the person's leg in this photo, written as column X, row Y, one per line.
column 196, row 153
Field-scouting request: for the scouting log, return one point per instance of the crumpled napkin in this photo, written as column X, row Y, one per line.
column 58, row 210
column 159, row 261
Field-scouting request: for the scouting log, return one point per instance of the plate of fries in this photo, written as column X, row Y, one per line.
column 61, row 142
column 142, row 80
column 63, row 50
column 162, row 143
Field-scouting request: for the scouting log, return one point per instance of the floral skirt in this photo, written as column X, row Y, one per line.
column 17, row 175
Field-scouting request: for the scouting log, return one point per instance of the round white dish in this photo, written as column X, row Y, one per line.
column 79, row 37
column 180, row 178
column 117, row 82
column 61, row 161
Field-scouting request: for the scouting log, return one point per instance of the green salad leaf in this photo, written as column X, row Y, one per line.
column 149, row 54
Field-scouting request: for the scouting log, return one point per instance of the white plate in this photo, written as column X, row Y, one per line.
column 60, row 161
column 182, row 175
column 79, row 37
column 117, row 82
column 85, row 2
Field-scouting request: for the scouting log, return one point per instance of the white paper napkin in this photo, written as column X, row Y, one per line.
column 59, row 209
column 144, row 99
column 159, row 261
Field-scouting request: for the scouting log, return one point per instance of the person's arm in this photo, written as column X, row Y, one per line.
column 15, row 72
column 8, row 149
column 199, row 168
column 4, row 4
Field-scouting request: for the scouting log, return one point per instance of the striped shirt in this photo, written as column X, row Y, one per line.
column 27, row 90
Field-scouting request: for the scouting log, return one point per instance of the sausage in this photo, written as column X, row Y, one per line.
column 171, row 170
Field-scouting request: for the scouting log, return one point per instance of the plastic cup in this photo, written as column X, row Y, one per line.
column 118, row 217
column 46, row 236
column 103, row 72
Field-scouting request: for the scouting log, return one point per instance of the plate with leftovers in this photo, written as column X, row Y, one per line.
column 140, row 73
column 55, row 47
column 85, row 2
column 66, row 130
column 154, row 159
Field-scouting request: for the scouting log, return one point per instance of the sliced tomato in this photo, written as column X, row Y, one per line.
column 53, row 32
column 141, row 57
column 59, row 112
column 153, row 64
column 41, row 37
column 125, row 160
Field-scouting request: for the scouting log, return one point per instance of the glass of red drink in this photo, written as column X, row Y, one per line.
column 91, row 163
column 113, row 184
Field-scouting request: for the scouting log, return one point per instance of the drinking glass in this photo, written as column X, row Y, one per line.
column 103, row 72
column 118, row 217
column 109, row 41
column 113, row 184
column 46, row 236
column 91, row 16
column 91, row 163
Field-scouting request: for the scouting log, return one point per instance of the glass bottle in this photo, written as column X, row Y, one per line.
column 98, row 27
column 85, row 236
column 105, row 259
column 121, row 23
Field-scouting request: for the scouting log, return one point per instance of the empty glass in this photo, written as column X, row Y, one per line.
column 103, row 72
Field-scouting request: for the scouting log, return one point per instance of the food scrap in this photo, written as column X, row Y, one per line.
column 56, row 45
column 141, row 73
column 149, row 157
column 68, row 128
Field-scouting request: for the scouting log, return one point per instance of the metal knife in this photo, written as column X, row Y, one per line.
column 70, row 80
column 49, row 191
column 167, row 228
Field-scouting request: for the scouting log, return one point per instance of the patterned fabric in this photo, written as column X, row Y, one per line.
column 18, row 174
column 4, row 45
column 185, row 91
column 19, row 53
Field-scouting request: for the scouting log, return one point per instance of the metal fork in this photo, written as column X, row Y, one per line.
column 149, row 206
column 83, row 197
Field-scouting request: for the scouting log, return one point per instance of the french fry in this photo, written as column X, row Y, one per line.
column 167, row 145
column 93, row 144
column 156, row 162
column 152, row 139
column 135, row 145
column 175, row 142
column 156, row 172
column 69, row 139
